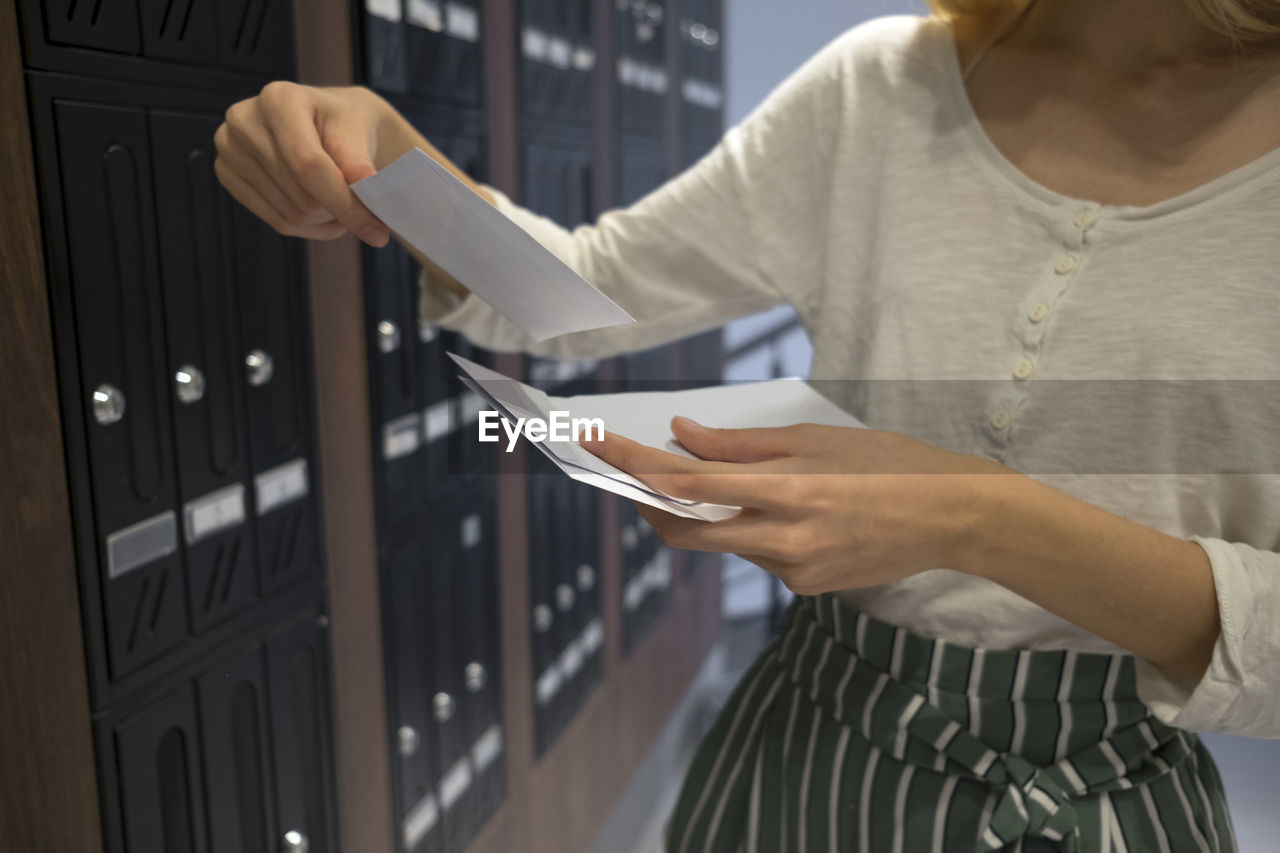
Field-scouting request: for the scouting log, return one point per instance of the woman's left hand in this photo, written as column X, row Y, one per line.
column 824, row 508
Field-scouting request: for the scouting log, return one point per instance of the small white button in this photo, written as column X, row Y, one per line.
column 1085, row 218
column 1038, row 313
column 1000, row 418
column 1064, row 264
column 1023, row 367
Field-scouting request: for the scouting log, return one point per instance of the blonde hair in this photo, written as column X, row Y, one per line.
column 1241, row 20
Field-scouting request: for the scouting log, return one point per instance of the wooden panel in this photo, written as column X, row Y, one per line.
column 501, row 91
column 575, row 786
column 675, row 108
column 604, row 26
column 343, row 438
column 48, row 792
column 508, row 829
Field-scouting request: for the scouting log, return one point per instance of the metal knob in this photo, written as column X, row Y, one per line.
column 565, row 597
column 259, row 367
column 294, row 842
column 407, row 740
column 427, row 332
column 108, row 404
column 444, row 707
column 711, row 38
column 475, row 676
column 542, row 617
column 388, row 337
column 655, row 13
column 190, row 383
column 630, row 537
column 586, row 578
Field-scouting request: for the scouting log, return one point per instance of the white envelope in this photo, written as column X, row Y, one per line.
column 485, row 251
column 645, row 417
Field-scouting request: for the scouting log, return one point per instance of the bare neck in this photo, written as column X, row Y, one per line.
column 1123, row 35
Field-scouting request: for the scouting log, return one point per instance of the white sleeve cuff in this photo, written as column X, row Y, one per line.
column 1212, row 702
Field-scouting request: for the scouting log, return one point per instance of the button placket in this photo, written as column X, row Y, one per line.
column 1085, row 218
column 1069, row 235
column 1023, row 367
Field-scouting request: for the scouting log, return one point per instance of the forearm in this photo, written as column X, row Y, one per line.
column 1143, row 590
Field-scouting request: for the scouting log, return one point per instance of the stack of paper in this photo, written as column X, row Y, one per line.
column 440, row 216
column 645, row 417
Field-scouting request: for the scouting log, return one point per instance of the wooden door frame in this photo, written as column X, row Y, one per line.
column 49, row 789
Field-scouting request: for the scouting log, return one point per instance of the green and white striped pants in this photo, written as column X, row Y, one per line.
column 849, row 734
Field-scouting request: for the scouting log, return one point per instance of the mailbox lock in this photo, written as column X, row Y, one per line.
column 388, row 337
column 586, row 578
column 542, row 616
column 565, row 597
column 444, row 706
column 260, row 367
column 190, row 384
column 475, row 676
column 407, row 740
column 108, row 404
column 294, row 842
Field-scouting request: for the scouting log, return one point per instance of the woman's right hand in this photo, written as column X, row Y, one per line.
column 290, row 153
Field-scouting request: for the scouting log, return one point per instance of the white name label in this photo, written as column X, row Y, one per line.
column 213, row 512
column 426, row 14
column 548, row 685
column 487, row 747
column 455, row 783
column 141, row 543
column 387, row 10
column 463, row 22
column 420, row 820
column 471, row 531
column 401, row 436
column 435, row 421
column 281, row 485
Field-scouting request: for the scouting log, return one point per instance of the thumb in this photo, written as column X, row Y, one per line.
column 730, row 445
column 356, row 164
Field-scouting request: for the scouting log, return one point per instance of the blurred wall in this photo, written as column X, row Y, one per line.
column 766, row 40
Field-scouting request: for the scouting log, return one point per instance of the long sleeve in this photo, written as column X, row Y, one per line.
column 740, row 232
column 1240, row 692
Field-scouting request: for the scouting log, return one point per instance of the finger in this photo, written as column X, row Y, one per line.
column 353, row 161
column 249, row 196
column 251, row 170
column 769, row 564
column 247, row 140
column 298, row 141
column 751, row 532
column 689, row 479
column 735, row 445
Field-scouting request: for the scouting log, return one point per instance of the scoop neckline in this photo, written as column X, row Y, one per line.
column 1226, row 187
